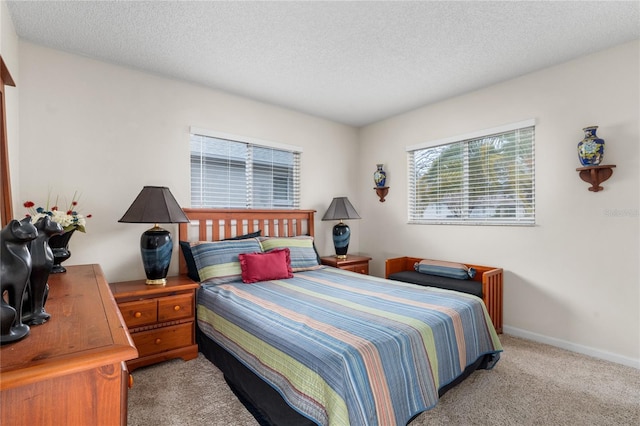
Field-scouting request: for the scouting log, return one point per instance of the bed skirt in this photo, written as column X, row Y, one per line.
column 263, row 401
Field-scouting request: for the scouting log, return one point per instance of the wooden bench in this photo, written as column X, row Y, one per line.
column 490, row 278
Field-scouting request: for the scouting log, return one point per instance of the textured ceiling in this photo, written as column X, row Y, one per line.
column 351, row 62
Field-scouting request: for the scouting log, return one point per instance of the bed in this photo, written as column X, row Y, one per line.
column 303, row 343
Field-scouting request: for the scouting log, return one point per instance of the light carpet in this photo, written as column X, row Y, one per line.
column 532, row 384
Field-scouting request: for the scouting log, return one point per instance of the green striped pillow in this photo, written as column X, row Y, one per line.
column 302, row 251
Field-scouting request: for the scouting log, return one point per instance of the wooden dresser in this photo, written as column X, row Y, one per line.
column 70, row 370
column 161, row 318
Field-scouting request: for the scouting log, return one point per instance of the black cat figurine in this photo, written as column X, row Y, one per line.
column 15, row 269
column 41, row 264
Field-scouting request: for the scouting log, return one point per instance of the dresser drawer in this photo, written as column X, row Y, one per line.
column 175, row 307
column 163, row 339
column 139, row 312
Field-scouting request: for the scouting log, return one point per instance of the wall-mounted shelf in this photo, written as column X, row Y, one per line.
column 595, row 175
column 382, row 192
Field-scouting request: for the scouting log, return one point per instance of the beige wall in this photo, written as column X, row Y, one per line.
column 107, row 131
column 573, row 279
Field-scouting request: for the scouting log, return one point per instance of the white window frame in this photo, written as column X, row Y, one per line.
column 252, row 143
column 521, row 214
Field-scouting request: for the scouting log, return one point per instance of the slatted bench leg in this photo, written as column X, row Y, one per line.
column 492, row 283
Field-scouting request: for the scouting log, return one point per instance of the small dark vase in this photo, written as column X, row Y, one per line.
column 60, row 247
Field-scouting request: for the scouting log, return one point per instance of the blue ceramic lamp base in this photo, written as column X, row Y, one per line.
column 156, row 247
column 341, row 236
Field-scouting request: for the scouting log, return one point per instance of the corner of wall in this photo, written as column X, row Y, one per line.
column 9, row 49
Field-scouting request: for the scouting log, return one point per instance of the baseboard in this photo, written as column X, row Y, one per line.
column 563, row 344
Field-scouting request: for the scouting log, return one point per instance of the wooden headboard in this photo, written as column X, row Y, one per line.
column 219, row 224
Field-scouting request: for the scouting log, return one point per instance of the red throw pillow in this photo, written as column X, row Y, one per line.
column 272, row 265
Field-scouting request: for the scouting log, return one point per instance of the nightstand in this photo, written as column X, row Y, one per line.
column 353, row 263
column 160, row 318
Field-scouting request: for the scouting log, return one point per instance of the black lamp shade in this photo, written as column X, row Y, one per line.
column 155, row 204
column 341, row 209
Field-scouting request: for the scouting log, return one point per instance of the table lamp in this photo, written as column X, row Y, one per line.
column 341, row 209
column 155, row 204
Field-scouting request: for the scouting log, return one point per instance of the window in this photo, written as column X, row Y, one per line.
column 235, row 172
column 483, row 178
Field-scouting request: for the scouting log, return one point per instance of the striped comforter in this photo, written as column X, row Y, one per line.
column 349, row 349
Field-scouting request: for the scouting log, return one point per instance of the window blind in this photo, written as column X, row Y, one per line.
column 487, row 178
column 236, row 174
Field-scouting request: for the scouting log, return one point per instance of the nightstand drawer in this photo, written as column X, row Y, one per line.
column 175, row 307
column 139, row 312
column 360, row 268
column 163, row 339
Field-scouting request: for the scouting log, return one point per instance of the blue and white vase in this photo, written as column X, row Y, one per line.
column 591, row 148
column 380, row 176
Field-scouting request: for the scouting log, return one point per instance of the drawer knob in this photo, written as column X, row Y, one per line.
column 157, row 341
column 130, row 381
column 176, row 308
column 137, row 314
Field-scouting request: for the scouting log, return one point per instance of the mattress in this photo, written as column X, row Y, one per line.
column 346, row 348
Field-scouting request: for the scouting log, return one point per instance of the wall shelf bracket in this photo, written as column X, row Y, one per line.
column 595, row 175
column 382, row 192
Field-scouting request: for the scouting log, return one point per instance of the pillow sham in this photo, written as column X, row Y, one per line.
column 217, row 261
column 192, row 269
column 445, row 269
column 302, row 251
column 273, row 265
column 245, row 236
